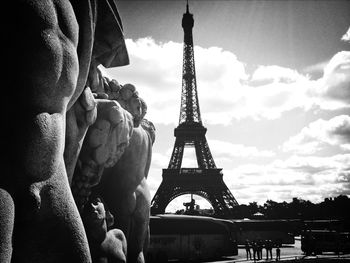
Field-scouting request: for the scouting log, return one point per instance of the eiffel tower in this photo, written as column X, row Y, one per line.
column 205, row 180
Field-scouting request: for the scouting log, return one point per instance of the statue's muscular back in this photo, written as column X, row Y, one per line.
column 43, row 80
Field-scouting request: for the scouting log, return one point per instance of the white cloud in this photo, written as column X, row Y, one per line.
column 160, row 160
column 155, row 70
column 345, row 147
column 287, row 89
column 320, row 133
column 230, row 150
column 346, row 36
column 225, row 90
column 309, row 178
column 315, row 68
column 332, row 91
column 276, row 74
column 272, row 100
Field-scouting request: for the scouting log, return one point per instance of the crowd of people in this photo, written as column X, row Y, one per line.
column 257, row 247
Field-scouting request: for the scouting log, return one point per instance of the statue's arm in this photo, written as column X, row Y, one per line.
column 115, row 246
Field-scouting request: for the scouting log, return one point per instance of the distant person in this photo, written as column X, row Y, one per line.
column 278, row 253
column 247, row 249
column 255, row 250
column 268, row 247
column 259, row 249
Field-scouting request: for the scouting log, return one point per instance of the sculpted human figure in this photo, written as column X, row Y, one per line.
column 132, row 147
column 105, row 141
column 106, row 244
column 49, row 45
column 124, row 186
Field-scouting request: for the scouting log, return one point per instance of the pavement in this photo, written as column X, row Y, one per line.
column 289, row 253
column 297, row 258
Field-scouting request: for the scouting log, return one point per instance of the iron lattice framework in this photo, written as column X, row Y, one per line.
column 206, row 180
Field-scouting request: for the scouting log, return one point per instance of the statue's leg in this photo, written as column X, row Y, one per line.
column 52, row 231
column 140, row 222
column 123, row 212
column 7, row 215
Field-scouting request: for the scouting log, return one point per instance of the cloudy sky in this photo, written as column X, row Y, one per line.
column 273, row 80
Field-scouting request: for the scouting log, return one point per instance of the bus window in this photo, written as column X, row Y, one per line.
column 319, row 241
column 190, row 238
column 279, row 231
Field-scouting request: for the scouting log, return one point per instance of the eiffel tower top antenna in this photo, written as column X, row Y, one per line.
column 189, row 110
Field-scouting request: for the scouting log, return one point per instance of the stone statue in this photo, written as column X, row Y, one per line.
column 106, row 244
column 105, row 141
column 47, row 109
column 124, row 186
column 123, row 177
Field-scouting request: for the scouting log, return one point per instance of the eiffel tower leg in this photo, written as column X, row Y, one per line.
column 176, row 157
column 161, row 199
column 204, row 158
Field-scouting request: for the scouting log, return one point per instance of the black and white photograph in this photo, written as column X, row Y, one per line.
column 151, row 131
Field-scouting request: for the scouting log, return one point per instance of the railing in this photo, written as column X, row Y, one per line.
column 192, row 171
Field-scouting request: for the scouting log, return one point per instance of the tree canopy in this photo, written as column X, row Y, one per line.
column 330, row 208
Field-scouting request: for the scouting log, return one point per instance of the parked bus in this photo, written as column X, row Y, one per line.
column 278, row 231
column 185, row 237
column 319, row 241
column 332, row 224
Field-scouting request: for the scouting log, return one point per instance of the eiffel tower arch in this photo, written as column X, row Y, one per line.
column 206, row 180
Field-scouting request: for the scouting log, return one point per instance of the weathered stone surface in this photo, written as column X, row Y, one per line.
column 7, row 216
column 78, row 119
column 47, row 109
column 123, row 178
column 105, row 142
column 125, row 190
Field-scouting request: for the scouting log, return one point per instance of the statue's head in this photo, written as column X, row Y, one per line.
column 127, row 96
column 129, row 99
column 128, row 91
column 134, row 106
column 94, row 215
